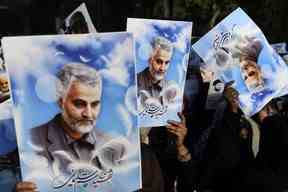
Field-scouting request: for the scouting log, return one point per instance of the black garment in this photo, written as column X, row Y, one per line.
column 152, row 179
column 163, row 144
column 228, row 156
column 272, row 158
column 273, row 144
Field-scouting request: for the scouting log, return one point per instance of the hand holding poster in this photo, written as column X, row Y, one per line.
column 162, row 52
column 237, row 50
column 74, row 100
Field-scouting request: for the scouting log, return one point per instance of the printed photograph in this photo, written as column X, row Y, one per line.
column 162, row 53
column 74, row 102
column 236, row 50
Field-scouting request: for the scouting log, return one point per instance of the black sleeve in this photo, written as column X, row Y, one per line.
column 188, row 175
column 152, row 179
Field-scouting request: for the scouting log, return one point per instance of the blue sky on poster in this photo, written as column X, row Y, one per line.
column 179, row 33
column 231, row 33
column 32, row 63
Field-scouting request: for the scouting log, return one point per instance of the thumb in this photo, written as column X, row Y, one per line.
column 182, row 117
column 229, row 84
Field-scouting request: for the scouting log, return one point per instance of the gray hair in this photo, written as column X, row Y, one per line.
column 77, row 72
column 162, row 43
column 251, row 50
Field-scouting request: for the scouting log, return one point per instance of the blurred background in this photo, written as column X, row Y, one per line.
column 34, row 17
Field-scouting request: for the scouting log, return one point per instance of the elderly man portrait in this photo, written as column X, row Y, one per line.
column 152, row 80
column 255, row 80
column 250, row 70
column 73, row 131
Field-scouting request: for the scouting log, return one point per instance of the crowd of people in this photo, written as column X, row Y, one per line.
column 211, row 151
column 206, row 151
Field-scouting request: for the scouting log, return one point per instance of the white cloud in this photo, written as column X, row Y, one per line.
column 131, row 100
column 144, row 51
column 182, row 69
column 116, row 74
column 116, row 61
column 45, row 88
column 183, row 38
column 6, row 110
column 125, row 118
column 37, row 165
column 121, row 53
column 123, row 151
column 27, row 55
column 141, row 29
column 75, row 41
column 18, row 126
column 180, row 73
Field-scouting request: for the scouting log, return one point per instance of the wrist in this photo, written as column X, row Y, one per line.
column 181, row 147
column 233, row 109
column 183, row 153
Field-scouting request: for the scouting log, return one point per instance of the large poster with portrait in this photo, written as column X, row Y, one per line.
column 237, row 50
column 74, row 100
column 78, row 22
column 162, row 53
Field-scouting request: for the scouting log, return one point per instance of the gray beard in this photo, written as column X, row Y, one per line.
column 78, row 127
column 156, row 76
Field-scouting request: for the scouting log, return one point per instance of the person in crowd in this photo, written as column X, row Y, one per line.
column 170, row 144
column 229, row 150
column 270, row 170
column 152, row 178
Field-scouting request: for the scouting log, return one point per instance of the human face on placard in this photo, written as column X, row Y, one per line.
column 81, row 106
column 159, row 64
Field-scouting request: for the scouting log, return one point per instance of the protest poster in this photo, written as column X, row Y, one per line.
column 79, row 21
column 236, row 50
column 162, row 53
column 74, row 103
